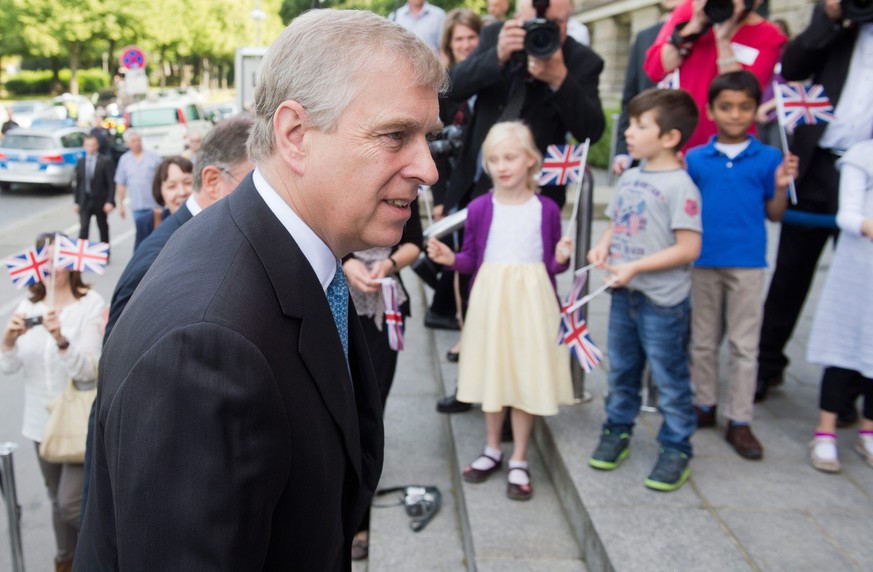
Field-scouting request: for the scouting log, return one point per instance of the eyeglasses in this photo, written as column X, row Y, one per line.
column 226, row 172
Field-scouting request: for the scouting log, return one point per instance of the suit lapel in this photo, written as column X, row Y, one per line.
column 301, row 297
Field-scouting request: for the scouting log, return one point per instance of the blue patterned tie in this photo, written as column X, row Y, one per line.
column 338, row 298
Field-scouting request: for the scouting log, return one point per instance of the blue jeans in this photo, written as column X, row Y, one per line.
column 640, row 330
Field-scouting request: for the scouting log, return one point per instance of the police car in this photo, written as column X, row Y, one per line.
column 41, row 156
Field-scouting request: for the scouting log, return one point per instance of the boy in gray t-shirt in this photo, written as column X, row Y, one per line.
column 652, row 239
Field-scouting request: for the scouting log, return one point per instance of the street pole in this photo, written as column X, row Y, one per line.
column 11, row 497
column 583, row 245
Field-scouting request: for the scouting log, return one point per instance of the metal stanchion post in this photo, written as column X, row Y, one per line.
column 11, row 497
column 583, row 245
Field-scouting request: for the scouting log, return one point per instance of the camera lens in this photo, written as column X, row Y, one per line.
column 542, row 38
column 719, row 11
column 860, row 11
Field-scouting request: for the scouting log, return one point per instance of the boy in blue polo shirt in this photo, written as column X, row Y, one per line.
column 741, row 182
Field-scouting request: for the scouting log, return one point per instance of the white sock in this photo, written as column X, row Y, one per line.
column 484, row 463
column 518, row 477
column 867, row 440
column 826, row 448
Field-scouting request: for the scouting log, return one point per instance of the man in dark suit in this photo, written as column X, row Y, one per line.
column 238, row 417
column 223, row 164
column 95, row 189
column 559, row 95
column 824, row 52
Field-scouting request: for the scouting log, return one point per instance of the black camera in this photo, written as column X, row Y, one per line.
column 719, row 11
column 860, row 11
column 32, row 321
column 543, row 37
column 448, row 143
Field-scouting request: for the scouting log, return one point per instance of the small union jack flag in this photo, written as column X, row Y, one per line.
column 670, row 81
column 393, row 317
column 81, row 255
column 563, row 164
column 573, row 331
column 803, row 105
column 28, row 267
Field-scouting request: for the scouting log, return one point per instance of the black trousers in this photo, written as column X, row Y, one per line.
column 840, row 387
column 799, row 250
column 86, row 211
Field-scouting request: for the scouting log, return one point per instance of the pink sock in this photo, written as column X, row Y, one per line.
column 867, row 432
column 822, row 434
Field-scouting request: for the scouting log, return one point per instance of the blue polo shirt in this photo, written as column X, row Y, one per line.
column 734, row 194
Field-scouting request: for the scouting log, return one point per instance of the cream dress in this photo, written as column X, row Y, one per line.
column 510, row 354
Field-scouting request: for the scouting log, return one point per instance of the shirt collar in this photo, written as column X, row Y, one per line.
column 193, row 205
column 314, row 249
column 753, row 149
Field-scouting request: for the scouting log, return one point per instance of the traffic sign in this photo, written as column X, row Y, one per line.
column 132, row 58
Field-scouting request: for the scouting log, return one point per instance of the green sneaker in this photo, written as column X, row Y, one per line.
column 671, row 470
column 614, row 447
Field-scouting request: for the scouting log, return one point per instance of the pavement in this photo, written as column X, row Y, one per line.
column 778, row 514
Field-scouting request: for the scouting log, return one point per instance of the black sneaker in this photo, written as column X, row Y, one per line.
column 449, row 404
column 614, row 447
column 671, row 470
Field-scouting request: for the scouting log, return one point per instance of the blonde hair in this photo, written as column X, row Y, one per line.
column 323, row 60
column 521, row 133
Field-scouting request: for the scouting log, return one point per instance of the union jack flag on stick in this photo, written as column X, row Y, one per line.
column 81, row 255
column 393, row 317
column 28, row 267
column 563, row 164
column 797, row 104
column 573, row 330
column 802, row 105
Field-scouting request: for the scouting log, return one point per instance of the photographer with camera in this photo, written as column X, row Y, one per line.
column 526, row 68
column 705, row 38
column 836, row 51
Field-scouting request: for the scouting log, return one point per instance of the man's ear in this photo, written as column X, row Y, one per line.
column 671, row 139
column 288, row 127
column 210, row 178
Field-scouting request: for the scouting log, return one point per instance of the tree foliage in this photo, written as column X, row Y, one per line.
column 172, row 32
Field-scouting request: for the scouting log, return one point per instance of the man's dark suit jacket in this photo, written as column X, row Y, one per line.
column 139, row 264
column 822, row 52
column 102, row 185
column 635, row 80
column 229, row 436
column 574, row 107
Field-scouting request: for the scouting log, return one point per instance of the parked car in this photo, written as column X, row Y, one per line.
column 165, row 124
column 39, row 156
column 24, row 112
column 223, row 110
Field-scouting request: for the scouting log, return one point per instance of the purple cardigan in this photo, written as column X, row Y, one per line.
column 478, row 223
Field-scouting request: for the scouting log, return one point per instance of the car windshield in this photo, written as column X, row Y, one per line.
column 154, row 117
column 28, row 142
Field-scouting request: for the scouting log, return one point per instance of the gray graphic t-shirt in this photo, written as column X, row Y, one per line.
column 646, row 209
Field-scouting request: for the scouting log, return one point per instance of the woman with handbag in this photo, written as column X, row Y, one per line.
column 54, row 339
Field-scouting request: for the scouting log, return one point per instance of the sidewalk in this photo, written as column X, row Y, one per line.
column 776, row 514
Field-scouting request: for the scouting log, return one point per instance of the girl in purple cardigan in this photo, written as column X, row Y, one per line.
column 513, row 248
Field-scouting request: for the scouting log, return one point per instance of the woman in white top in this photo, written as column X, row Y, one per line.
column 64, row 343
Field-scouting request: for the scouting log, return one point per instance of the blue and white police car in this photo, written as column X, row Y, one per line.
column 41, row 156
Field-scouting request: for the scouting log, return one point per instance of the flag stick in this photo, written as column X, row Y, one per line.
column 584, row 300
column 50, row 294
column 578, row 188
column 584, row 269
column 783, row 138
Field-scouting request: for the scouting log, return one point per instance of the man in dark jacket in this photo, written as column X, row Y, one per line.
column 95, row 189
